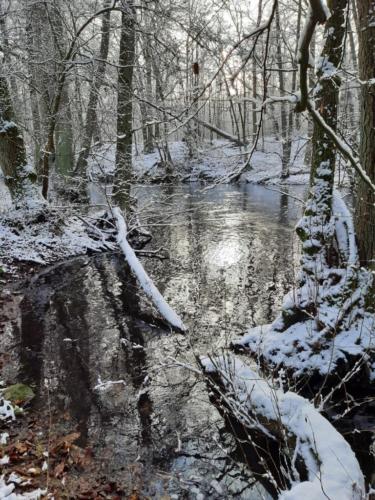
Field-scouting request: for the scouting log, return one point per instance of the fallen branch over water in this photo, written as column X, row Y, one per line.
column 145, row 281
column 308, row 444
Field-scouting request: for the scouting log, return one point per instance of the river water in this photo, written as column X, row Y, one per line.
column 85, row 323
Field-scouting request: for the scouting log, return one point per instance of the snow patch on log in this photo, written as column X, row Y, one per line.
column 333, row 470
column 145, row 281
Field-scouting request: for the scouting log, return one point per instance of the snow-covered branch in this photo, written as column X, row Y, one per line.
column 332, row 468
column 145, row 281
column 344, row 149
column 220, row 132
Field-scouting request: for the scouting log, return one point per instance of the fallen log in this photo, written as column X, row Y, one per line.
column 220, row 132
column 145, row 281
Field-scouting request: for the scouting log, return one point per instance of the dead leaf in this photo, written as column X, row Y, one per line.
column 81, row 457
column 59, row 469
column 34, row 471
column 65, row 442
column 134, row 496
column 21, row 447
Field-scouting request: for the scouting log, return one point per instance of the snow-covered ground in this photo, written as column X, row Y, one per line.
column 43, row 235
column 214, row 162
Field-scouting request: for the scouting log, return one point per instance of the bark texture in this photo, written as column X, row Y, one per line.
column 12, row 148
column 91, row 118
column 365, row 209
column 123, row 173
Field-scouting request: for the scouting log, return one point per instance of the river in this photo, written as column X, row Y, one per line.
column 85, row 323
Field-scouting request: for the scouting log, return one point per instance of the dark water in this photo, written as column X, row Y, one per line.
column 231, row 261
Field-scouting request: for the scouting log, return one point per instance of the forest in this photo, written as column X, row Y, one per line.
column 187, row 249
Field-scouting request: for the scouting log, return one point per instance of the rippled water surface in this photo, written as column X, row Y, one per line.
column 85, row 323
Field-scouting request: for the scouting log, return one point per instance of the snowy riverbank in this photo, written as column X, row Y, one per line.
column 214, row 162
column 42, row 236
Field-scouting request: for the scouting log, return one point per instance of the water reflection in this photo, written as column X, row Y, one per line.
column 85, row 324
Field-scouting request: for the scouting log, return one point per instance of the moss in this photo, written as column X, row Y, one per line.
column 302, row 234
column 312, row 250
column 18, row 393
column 310, row 212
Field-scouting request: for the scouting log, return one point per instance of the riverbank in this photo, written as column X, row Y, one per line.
column 214, row 162
column 36, row 237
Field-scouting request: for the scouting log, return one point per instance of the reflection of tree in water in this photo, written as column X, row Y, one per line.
column 62, row 334
column 126, row 312
column 55, row 349
column 74, row 355
column 31, row 340
column 284, row 205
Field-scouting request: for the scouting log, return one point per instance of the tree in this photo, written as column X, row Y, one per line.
column 330, row 297
column 365, row 205
column 97, row 82
column 285, row 131
column 46, row 32
column 124, row 141
column 17, row 173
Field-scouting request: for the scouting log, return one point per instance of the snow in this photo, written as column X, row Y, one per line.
column 7, row 125
column 325, row 8
column 333, row 470
column 7, row 488
column 326, row 67
column 103, row 386
column 214, row 162
column 341, row 145
column 344, row 229
column 4, row 438
column 44, row 235
column 340, row 322
column 6, row 411
column 145, row 281
column 5, row 198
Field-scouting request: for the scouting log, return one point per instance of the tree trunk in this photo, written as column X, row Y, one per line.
column 310, row 125
column 323, row 149
column 123, row 173
column 34, row 99
column 12, row 148
column 286, row 139
column 164, row 150
column 7, row 60
column 365, row 205
column 148, row 145
column 91, row 118
column 254, row 71
column 64, row 131
column 64, row 136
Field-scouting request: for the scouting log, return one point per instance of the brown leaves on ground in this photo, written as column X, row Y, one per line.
column 36, row 452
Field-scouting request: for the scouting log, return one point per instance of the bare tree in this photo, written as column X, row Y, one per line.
column 124, row 141
column 365, row 205
column 97, row 82
column 12, row 149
